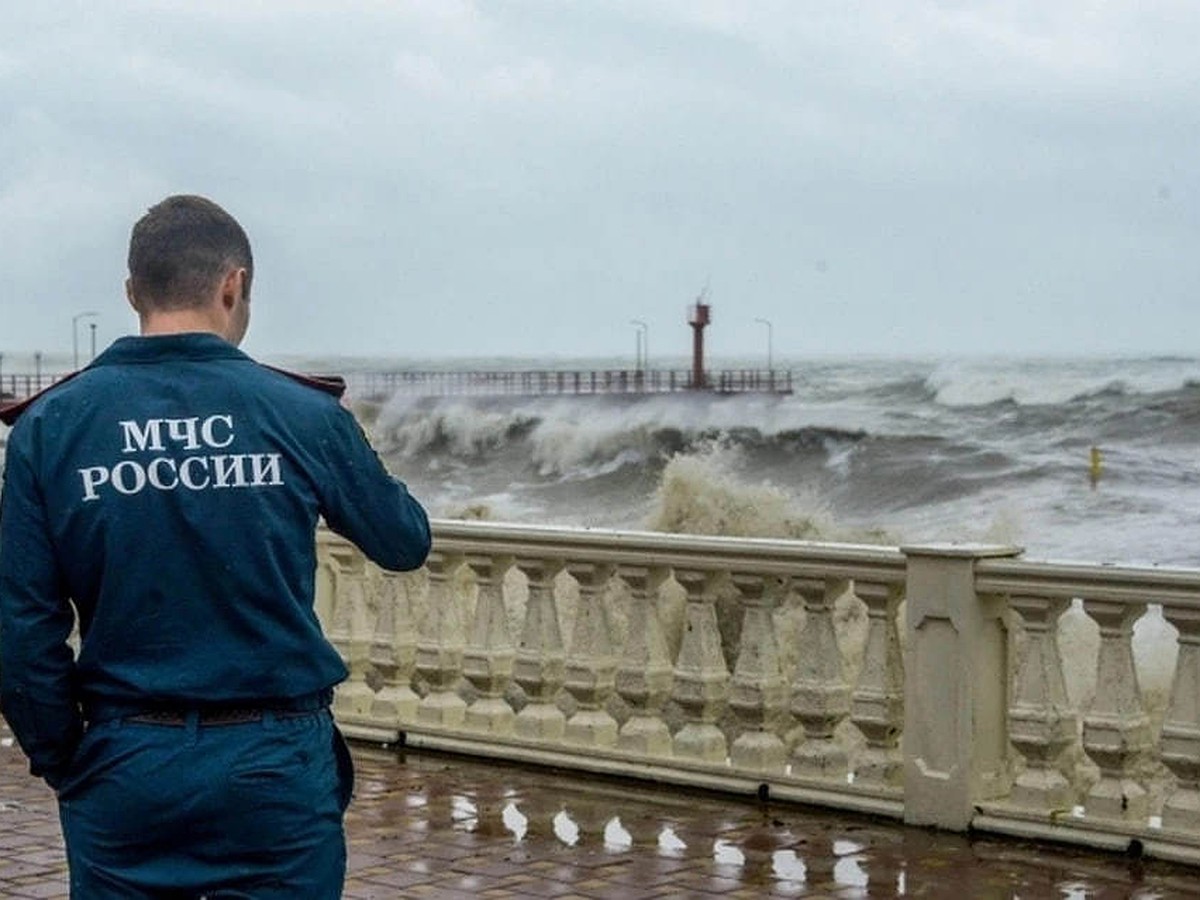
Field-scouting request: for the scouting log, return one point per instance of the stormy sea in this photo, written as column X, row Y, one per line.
column 880, row 450
column 893, row 451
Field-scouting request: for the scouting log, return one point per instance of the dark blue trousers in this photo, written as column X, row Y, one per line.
column 252, row 810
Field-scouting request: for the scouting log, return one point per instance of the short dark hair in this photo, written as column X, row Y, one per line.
column 181, row 248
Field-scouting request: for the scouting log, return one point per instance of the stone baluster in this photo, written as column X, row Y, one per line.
column 325, row 582
column 490, row 652
column 877, row 704
column 441, row 644
column 759, row 690
column 820, row 694
column 1041, row 723
column 701, row 675
column 541, row 658
column 644, row 672
column 1116, row 729
column 350, row 633
column 394, row 652
column 591, row 667
column 1181, row 728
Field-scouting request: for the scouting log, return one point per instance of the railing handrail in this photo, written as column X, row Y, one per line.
column 1094, row 581
column 878, row 563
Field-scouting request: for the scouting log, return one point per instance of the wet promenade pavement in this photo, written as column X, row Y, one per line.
column 425, row 825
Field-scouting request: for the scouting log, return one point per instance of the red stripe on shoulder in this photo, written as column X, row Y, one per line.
column 10, row 413
column 334, row 385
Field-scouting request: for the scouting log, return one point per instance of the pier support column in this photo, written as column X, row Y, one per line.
column 955, row 694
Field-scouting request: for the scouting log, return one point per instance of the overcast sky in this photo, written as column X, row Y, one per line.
column 442, row 177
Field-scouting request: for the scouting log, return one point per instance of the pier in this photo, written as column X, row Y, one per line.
column 550, row 382
column 500, row 383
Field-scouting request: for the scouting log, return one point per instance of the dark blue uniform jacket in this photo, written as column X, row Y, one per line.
column 171, row 491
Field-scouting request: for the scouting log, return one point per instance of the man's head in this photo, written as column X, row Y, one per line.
column 190, row 260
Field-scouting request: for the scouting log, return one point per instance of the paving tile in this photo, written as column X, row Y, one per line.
column 434, row 826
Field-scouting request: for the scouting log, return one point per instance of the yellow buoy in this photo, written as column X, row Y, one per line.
column 1096, row 466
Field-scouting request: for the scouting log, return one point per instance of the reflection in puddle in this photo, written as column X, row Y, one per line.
column 515, row 821
column 788, row 866
column 850, row 872
column 565, row 829
column 727, row 854
column 669, row 842
column 846, row 848
column 615, row 835
column 462, row 809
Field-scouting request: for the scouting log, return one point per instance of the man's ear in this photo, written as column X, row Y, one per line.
column 129, row 295
column 233, row 288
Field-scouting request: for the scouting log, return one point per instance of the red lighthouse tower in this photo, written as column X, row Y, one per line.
column 698, row 317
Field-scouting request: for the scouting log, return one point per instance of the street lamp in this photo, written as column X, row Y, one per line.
column 75, row 333
column 643, row 343
column 770, row 330
column 92, row 325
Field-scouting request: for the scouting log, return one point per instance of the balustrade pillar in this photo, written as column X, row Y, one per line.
column 644, row 672
column 591, row 667
column 820, row 694
column 955, row 687
column 759, row 689
column 441, row 644
column 877, row 704
column 541, row 658
column 1116, row 729
column 1041, row 723
column 394, row 652
column 350, row 632
column 1181, row 729
column 490, row 653
column 701, row 676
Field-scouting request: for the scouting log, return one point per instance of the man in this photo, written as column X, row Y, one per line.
column 170, row 493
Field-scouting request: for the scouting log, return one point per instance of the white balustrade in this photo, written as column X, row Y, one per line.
column 820, row 694
column 1041, row 723
column 490, row 653
column 591, row 666
column 759, row 690
column 1181, row 730
column 701, row 676
column 677, row 669
column 877, row 705
column 1116, row 729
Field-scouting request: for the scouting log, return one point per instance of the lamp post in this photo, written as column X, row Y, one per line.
column 75, row 333
column 92, row 325
column 770, row 341
column 643, row 343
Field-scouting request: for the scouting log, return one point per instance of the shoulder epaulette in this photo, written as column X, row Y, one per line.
column 11, row 412
column 329, row 384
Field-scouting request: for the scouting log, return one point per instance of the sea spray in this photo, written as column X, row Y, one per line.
column 705, row 492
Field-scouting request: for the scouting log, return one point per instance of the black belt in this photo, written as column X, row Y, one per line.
column 177, row 713
column 178, row 718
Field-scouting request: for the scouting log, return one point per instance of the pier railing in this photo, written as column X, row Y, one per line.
column 529, row 383
column 922, row 683
column 19, row 385
column 548, row 382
